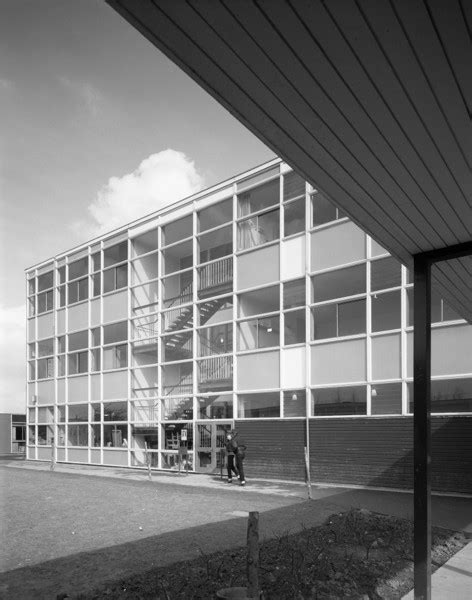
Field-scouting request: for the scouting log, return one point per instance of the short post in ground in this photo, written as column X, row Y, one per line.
column 52, row 466
column 253, row 555
column 148, row 461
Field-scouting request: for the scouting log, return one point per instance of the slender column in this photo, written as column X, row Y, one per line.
column 422, row 427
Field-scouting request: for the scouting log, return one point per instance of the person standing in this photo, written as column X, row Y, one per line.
column 235, row 457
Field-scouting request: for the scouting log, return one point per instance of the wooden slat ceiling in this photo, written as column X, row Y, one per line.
column 369, row 100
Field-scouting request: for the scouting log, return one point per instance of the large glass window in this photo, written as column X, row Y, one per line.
column 78, row 363
column 78, row 412
column 215, row 340
column 115, row 357
column 323, row 211
column 386, row 311
column 45, row 368
column 294, row 403
column 216, row 244
column 78, row 340
column 263, row 332
column 385, row 273
column 177, row 346
column 177, row 230
column 78, row 268
column 45, row 347
column 294, row 327
column 294, row 217
column 178, row 289
column 115, row 436
column 258, row 229
column 78, row 290
column 178, row 257
column 215, row 407
column 339, row 319
column 177, row 379
column 115, row 278
column 115, row 332
column 45, row 302
column 259, row 198
column 144, row 243
column 115, row 254
column 45, row 281
column 215, row 215
column 339, row 401
column 77, row 435
column 386, row 399
column 447, row 395
column 294, row 293
column 115, row 411
column 215, row 311
column 215, row 374
column 339, row 283
column 263, row 405
column 294, row 186
column 440, row 310
column 215, row 278
column 260, row 301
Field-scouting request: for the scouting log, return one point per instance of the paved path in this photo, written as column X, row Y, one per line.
column 454, row 579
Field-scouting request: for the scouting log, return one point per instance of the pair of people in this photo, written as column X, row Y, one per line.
column 235, row 453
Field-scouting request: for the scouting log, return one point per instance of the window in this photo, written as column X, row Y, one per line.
column 115, row 411
column 115, row 357
column 261, row 301
column 215, row 374
column 78, row 290
column 386, row 399
column 115, row 436
column 77, row 435
column 45, row 347
column 178, row 257
column 96, row 261
column 31, row 286
column 215, row 340
column 294, row 293
column 253, row 406
column 45, row 281
column 323, row 211
column 215, row 311
column 78, row 340
column 177, row 230
column 45, row 302
column 45, row 368
column 339, row 319
column 61, row 293
column 216, row 244
column 78, row 268
column 339, row 401
column 78, row 363
column 78, row 412
column 115, row 254
column 61, row 271
column 215, row 407
column 115, row 278
column 294, row 327
column 258, row 229
column 115, row 332
column 144, row 243
column 385, row 273
column 177, row 379
column 259, row 333
column 96, row 284
column 259, row 198
column 294, row 217
column 339, row 284
column 294, row 403
column 294, row 186
column 386, row 311
column 447, row 395
column 440, row 310
column 215, row 215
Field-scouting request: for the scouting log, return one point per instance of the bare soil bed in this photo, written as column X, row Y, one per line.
column 356, row 554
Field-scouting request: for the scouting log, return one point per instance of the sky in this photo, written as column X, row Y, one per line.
column 98, row 128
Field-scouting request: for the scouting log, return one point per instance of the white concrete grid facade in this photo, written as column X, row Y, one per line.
column 256, row 299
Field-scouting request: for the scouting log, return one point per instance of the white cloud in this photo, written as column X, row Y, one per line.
column 87, row 94
column 12, row 353
column 6, row 84
column 160, row 179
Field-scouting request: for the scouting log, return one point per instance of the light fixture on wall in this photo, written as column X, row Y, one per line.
column 269, row 329
column 294, row 397
column 373, row 393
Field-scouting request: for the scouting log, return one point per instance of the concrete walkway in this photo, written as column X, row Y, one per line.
column 454, row 579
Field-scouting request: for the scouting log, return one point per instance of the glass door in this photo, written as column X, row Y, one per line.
column 210, row 446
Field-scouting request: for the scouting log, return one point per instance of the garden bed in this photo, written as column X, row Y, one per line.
column 355, row 554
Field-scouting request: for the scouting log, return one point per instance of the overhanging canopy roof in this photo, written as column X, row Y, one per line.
column 370, row 101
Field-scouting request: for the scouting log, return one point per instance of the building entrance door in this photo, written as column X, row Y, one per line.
column 210, row 446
